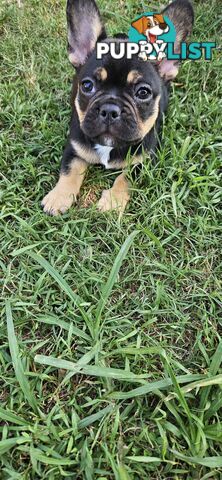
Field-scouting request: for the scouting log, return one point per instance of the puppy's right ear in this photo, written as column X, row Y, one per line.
column 85, row 28
column 181, row 14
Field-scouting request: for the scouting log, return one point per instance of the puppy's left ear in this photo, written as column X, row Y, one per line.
column 85, row 28
column 181, row 14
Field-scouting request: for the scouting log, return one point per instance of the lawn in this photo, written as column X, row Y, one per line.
column 110, row 329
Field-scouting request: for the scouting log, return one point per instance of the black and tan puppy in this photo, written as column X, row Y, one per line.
column 117, row 105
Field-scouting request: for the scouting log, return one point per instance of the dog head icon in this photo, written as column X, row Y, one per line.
column 151, row 26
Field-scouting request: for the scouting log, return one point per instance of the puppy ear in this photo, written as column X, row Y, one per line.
column 84, row 29
column 181, row 14
column 140, row 24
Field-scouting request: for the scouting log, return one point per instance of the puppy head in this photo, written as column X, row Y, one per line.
column 117, row 101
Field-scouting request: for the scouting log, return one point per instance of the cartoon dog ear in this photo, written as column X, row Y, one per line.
column 181, row 14
column 140, row 25
column 160, row 19
column 85, row 28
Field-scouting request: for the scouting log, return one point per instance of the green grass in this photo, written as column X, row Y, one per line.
column 110, row 336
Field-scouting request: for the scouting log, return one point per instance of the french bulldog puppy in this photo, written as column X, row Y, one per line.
column 117, row 105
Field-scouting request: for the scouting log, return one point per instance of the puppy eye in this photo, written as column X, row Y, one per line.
column 143, row 92
column 87, row 86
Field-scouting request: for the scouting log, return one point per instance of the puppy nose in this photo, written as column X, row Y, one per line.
column 109, row 112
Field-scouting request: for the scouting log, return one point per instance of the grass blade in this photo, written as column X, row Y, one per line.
column 78, row 302
column 17, row 364
column 84, row 360
column 85, row 422
column 93, row 370
column 153, row 237
column 8, row 443
column 214, row 367
column 178, row 390
column 154, row 386
column 215, row 406
column 122, row 473
column 40, row 457
column 113, row 275
column 53, row 320
column 211, row 462
column 12, row 418
column 142, row 459
column 207, row 382
column 136, row 351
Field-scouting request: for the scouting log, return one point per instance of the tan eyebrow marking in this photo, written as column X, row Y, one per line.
column 133, row 76
column 101, row 74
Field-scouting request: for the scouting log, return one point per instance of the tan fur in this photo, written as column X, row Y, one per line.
column 80, row 113
column 101, row 74
column 146, row 126
column 87, row 154
column 133, row 76
column 97, row 30
column 117, row 197
column 62, row 196
column 117, row 164
column 92, row 157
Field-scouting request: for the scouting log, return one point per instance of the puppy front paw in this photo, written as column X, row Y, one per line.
column 57, row 201
column 113, row 201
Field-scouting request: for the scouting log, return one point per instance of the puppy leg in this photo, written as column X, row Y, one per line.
column 116, row 197
column 66, row 190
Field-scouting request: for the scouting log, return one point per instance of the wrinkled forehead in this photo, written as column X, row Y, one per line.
column 121, row 72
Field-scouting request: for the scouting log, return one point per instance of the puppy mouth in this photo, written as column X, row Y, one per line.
column 112, row 135
column 108, row 140
column 111, row 130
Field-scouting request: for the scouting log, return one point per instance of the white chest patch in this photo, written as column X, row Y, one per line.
column 104, row 153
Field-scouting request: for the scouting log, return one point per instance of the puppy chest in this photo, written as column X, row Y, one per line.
column 104, row 154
